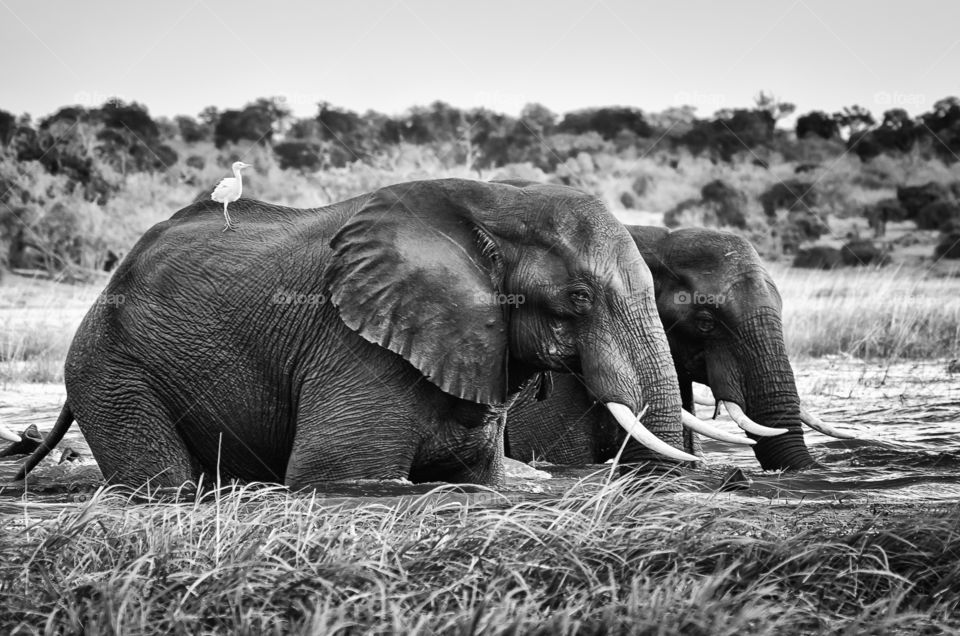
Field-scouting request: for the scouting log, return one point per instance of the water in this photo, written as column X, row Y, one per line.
column 906, row 416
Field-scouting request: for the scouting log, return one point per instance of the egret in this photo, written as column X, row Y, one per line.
column 229, row 190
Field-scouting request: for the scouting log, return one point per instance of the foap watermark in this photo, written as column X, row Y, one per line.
column 103, row 298
column 887, row 98
column 707, row 102
column 90, row 99
column 698, row 298
column 287, row 297
column 295, row 100
column 114, row 300
column 497, row 298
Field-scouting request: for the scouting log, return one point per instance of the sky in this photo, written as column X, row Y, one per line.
column 180, row 57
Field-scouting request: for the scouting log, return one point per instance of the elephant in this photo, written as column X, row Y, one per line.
column 722, row 314
column 383, row 337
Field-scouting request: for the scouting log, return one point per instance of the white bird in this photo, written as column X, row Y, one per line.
column 229, row 190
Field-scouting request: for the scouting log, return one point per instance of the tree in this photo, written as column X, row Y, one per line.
column 298, row 155
column 8, row 126
column 943, row 125
column 853, row 120
column 731, row 132
column 772, row 105
column 608, row 122
column 191, row 130
column 131, row 117
column 817, row 123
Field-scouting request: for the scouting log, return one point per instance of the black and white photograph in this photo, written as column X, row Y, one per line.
column 422, row 317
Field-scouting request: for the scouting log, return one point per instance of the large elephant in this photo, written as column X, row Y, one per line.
column 722, row 315
column 381, row 337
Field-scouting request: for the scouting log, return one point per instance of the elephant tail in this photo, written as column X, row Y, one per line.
column 49, row 442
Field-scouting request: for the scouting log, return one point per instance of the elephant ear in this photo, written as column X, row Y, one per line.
column 415, row 271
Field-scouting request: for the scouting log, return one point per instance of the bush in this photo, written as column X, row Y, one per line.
column 915, row 198
column 882, row 212
column 937, row 215
column 818, row 257
column 861, row 252
column 801, row 227
column 949, row 246
column 790, row 195
column 298, row 155
column 728, row 203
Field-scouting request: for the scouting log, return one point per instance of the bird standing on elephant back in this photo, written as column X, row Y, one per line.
column 722, row 315
column 374, row 338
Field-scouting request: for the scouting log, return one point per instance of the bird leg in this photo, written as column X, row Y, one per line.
column 226, row 215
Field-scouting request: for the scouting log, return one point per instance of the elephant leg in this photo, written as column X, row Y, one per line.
column 334, row 443
column 135, row 443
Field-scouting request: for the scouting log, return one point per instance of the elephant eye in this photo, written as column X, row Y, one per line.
column 705, row 322
column 582, row 299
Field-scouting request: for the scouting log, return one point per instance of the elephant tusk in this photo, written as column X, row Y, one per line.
column 9, row 435
column 820, row 426
column 708, row 430
column 631, row 424
column 744, row 422
column 704, row 399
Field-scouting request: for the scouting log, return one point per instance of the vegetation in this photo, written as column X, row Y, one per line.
column 599, row 559
column 79, row 186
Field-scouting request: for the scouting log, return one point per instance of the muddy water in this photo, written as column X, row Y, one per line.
column 906, row 415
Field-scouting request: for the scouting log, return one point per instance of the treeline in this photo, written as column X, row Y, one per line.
column 123, row 135
column 78, row 186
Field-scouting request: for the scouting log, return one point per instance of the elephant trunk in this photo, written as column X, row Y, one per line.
column 756, row 375
column 637, row 370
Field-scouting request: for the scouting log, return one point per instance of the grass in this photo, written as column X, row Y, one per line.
column 907, row 312
column 891, row 313
column 600, row 559
column 37, row 322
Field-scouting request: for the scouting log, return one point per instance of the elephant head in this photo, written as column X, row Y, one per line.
column 721, row 313
column 482, row 286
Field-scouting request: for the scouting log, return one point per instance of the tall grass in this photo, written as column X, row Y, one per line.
column 37, row 322
column 600, row 559
column 905, row 312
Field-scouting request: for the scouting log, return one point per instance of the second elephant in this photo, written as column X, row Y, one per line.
column 722, row 315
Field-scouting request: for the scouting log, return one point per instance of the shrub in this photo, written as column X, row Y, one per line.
column 789, row 195
column 728, row 203
column 818, row 257
column 298, row 155
column 861, row 252
column 949, row 246
column 937, row 215
column 915, row 198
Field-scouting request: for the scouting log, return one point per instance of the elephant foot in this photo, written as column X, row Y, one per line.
column 30, row 440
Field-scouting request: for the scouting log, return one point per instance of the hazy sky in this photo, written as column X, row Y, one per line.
column 178, row 57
